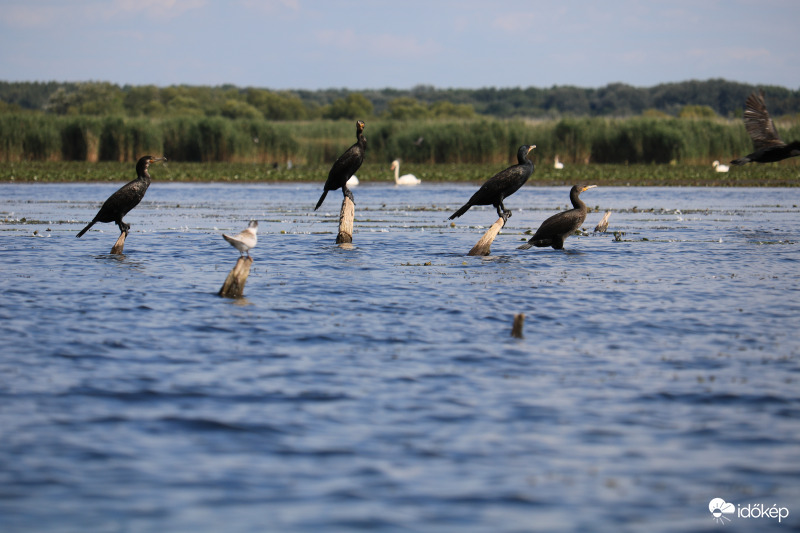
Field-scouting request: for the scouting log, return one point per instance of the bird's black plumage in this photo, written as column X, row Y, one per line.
column 767, row 143
column 558, row 227
column 502, row 185
column 344, row 167
column 126, row 198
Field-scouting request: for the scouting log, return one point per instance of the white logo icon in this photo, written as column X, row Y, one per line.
column 719, row 508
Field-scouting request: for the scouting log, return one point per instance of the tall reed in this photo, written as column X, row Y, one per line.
column 29, row 136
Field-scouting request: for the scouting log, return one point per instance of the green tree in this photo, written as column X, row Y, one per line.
column 696, row 111
column 354, row 106
column 238, row 109
column 276, row 106
column 447, row 109
column 142, row 100
column 407, row 108
column 87, row 99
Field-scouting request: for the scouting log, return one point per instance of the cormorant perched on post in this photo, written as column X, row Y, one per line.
column 502, row 185
column 345, row 167
column 554, row 231
column 768, row 144
column 126, row 198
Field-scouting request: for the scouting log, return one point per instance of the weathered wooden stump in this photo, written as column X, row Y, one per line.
column 483, row 247
column 516, row 329
column 602, row 226
column 120, row 244
column 237, row 277
column 346, row 216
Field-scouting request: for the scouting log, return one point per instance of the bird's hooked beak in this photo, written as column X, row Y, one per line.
column 531, row 147
column 156, row 159
column 586, row 188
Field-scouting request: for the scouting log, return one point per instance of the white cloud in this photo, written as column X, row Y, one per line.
column 153, row 8
column 28, row 16
column 380, row 45
column 515, row 22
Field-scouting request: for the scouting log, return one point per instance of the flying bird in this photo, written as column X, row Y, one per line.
column 126, row 198
column 768, row 144
column 502, row 185
column 245, row 240
column 555, row 230
column 345, row 167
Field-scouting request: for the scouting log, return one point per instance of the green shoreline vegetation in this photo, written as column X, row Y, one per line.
column 783, row 174
column 95, row 132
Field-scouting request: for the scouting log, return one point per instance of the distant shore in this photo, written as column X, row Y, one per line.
column 784, row 174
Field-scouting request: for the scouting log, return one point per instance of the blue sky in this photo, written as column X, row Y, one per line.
column 300, row 44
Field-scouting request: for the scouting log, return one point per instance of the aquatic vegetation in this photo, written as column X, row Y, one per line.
column 772, row 175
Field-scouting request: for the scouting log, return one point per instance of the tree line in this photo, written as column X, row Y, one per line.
column 705, row 99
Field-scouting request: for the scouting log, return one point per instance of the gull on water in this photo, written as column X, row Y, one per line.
column 245, row 240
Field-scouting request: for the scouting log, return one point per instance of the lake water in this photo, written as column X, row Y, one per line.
column 377, row 387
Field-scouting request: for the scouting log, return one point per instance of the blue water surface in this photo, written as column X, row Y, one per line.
column 377, row 386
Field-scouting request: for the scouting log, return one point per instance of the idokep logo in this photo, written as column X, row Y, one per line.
column 719, row 508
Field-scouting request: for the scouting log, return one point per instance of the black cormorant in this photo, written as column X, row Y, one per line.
column 768, row 144
column 345, row 167
column 554, row 231
column 502, row 185
column 126, row 198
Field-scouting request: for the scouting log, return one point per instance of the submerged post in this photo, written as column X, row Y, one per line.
column 602, row 226
column 120, row 244
column 516, row 329
column 237, row 277
column 346, row 216
column 483, row 247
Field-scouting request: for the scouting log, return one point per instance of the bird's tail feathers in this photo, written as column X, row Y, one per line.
column 321, row 199
column 525, row 246
column 740, row 161
column 460, row 212
column 84, row 230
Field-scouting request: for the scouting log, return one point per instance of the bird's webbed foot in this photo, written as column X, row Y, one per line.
column 502, row 212
column 123, row 227
column 349, row 194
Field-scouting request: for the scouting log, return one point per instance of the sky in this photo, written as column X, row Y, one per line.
column 376, row 44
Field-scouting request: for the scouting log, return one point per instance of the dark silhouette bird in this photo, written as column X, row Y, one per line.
column 345, row 167
column 502, row 185
column 126, row 198
column 554, row 231
column 768, row 144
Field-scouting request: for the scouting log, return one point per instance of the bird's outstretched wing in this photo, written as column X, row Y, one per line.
column 758, row 124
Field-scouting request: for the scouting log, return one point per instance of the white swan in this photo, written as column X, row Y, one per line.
column 720, row 168
column 353, row 181
column 406, row 179
column 558, row 164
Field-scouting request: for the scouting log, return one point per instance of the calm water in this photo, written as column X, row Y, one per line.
column 377, row 388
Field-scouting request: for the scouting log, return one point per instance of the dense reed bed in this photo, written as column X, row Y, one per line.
column 640, row 140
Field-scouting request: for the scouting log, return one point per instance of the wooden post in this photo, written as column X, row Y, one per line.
column 516, row 329
column 237, row 277
column 483, row 247
column 346, row 216
column 120, row 244
column 603, row 225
